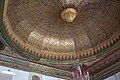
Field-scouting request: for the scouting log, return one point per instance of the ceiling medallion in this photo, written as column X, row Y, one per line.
column 69, row 14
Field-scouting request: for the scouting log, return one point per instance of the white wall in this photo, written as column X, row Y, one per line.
column 4, row 76
column 19, row 75
column 114, row 77
column 118, row 76
column 111, row 78
column 48, row 78
column 22, row 75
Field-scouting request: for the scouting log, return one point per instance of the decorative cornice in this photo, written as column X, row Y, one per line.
column 101, row 65
column 112, row 70
column 33, row 67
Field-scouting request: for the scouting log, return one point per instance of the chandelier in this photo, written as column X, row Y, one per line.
column 70, row 12
column 79, row 73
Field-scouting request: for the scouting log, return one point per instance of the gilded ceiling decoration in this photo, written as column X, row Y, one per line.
column 69, row 14
column 54, row 29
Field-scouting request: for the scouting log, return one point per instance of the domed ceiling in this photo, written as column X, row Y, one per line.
column 37, row 27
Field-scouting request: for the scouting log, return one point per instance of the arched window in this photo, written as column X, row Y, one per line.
column 35, row 77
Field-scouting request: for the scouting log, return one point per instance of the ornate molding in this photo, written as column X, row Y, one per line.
column 32, row 67
column 103, row 66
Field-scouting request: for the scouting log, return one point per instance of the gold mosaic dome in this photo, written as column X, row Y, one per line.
column 40, row 27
